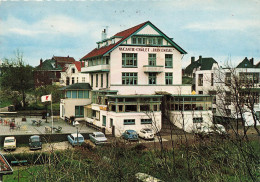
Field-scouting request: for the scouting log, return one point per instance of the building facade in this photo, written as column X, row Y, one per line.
column 49, row 71
column 71, row 74
column 130, row 73
column 231, row 88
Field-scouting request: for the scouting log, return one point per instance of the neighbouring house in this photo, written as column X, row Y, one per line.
column 48, row 72
column 71, row 74
column 227, row 84
column 76, row 97
column 131, row 75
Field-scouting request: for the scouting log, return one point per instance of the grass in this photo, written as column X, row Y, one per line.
column 216, row 160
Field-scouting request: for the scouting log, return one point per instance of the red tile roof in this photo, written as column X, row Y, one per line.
column 63, row 59
column 124, row 34
column 78, row 65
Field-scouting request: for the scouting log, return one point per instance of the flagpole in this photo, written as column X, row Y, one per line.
column 51, row 116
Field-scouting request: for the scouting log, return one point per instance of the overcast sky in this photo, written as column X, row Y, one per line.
column 222, row 29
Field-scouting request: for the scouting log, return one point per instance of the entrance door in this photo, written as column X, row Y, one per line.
column 104, row 121
column 111, row 122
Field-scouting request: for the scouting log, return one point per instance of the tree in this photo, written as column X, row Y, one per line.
column 17, row 77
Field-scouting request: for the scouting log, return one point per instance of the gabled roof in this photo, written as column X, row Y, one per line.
column 245, row 64
column 257, row 65
column 204, row 64
column 49, row 65
column 125, row 35
column 77, row 86
column 67, row 59
column 78, row 65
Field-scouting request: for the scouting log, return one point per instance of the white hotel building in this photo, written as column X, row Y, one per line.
column 130, row 74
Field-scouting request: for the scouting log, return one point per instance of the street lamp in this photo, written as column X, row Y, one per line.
column 76, row 124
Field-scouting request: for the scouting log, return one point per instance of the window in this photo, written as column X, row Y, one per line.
column 111, row 122
column 152, row 79
column 86, row 94
column 101, row 80
column 228, row 79
column 228, row 98
column 83, row 79
column 152, row 59
column 104, row 123
column 212, row 79
column 129, row 60
column 213, row 93
column 168, row 60
column 107, row 80
column 228, row 112
column 73, row 70
column 197, row 120
column 129, row 122
column 74, row 94
column 200, row 92
column 96, row 80
column 146, row 121
column 67, row 80
column 168, row 78
column 147, row 40
column 144, row 108
column 92, row 80
column 80, row 94
column 77, row 79
column 68, row 94
column 72, row 80
column 130, row 108
column 200, row 80
column 129, row 78
column 79, row 111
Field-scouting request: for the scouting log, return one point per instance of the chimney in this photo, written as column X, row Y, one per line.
column 252, row 61
column 192, row 59
column 41, row 62
column 200, row 59
column 103, row 35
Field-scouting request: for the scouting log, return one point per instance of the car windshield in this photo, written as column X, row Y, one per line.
column 80, row 138
column 100, row 135
column 133, row 133
column 35, row 139
column 148, row 130
column 9, row 140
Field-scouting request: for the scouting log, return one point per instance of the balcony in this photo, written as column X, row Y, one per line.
column 97, row 68
column 153, row 69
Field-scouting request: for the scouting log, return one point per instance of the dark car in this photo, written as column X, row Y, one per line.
column 130, row 135
column 35, row 142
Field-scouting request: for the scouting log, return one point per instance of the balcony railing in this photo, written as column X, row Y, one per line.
column 153, row 69
column 97, row 68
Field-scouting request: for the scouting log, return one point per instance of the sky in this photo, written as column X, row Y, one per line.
column 227, row 30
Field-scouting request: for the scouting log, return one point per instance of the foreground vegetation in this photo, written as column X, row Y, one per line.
column 213, row 159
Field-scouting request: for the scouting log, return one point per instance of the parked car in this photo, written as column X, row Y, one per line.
column 98, row 138
column 35, row 142
column 130, row 135
column 10, row 143
column 146, row 133
column 219, row 129
column 206, row 130
column 75, row 139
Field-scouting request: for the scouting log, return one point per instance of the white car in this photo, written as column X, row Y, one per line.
column 219, row 129
column 10, row 143
column 146, row 133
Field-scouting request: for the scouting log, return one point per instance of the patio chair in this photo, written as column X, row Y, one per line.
column 34, row 122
